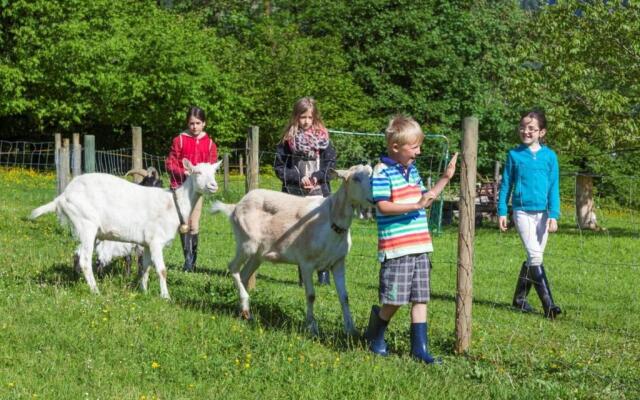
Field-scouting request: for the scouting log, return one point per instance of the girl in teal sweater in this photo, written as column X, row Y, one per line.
column 531, row 179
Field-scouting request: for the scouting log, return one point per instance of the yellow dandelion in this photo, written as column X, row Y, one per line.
column 247, row 365
column 289, row 359
column 155, row 365
column 237, row 362
column 11, row 384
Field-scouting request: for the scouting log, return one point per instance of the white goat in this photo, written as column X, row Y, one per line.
column 108, row 250
column 312, row 232
column 105, row 207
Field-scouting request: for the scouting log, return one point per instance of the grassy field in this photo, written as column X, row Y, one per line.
column 58, row 341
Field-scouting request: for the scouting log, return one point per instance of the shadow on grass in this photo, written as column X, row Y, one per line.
column 267, row 314
column 615, row 232
column 59, row 274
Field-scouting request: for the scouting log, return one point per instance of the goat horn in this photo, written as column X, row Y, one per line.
column 140, row 172
column 151, row 171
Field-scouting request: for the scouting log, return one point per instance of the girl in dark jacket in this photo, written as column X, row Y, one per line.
column 305, row 156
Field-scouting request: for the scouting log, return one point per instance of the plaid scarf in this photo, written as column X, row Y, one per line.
column 309, row 143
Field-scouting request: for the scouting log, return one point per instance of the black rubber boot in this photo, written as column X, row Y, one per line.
column 187, row 250
column 324, row 278
column 523, row 286
column 375, row 333
column 543, row 289
column 194, row 250
column 420, row 344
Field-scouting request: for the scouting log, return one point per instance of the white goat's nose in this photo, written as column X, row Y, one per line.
column 212, row 187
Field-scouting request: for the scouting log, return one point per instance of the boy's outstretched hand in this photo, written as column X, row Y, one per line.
column 451, row 168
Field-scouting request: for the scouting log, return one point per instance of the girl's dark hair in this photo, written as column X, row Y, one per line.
column 196, row 112
column 537, row 114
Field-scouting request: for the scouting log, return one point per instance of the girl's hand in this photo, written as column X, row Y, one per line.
column 308, row 183
column 552, row 225
column 502, row 223
column 451, row 168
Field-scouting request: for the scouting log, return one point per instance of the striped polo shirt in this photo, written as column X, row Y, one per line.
column 407, row 233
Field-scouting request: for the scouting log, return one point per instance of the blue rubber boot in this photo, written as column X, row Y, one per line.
column 420, row 344
column 375, row 333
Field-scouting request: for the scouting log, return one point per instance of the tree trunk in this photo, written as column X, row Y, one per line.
column 585, row 213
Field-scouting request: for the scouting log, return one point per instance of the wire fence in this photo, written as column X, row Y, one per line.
column 33, row 155
column 596, row 263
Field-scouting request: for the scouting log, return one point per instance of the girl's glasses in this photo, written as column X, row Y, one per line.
column 528, row 130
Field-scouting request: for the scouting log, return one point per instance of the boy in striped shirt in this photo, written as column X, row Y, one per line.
column 403, row 236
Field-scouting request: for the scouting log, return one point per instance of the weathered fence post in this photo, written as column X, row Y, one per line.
column 253, row 173
column 65, row 173
column 585, row 207
column 76, row 160
column 241, row 166
column 253, row 166
column 89, row 153
column 466, row 234
column 226, row 173
column 136, row 151
column 58, row 145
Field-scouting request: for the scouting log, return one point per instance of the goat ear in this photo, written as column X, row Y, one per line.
column 187, row 165
column 338, row 173
column 217, row 165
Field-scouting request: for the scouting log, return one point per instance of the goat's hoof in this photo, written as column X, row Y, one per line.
column 246, row 315
column 313, row 329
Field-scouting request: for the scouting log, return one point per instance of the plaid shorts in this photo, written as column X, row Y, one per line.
column 405, row 279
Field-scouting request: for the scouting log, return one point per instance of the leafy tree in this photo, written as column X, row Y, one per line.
column 583, row 68
column 435, row 60
column 103, row 66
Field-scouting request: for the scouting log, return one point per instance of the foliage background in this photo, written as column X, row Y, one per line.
column 99, row 67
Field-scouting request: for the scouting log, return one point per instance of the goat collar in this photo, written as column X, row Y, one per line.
column 338, row 229
column 184, row 228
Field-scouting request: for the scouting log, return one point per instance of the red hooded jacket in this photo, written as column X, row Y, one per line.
column 202, row 150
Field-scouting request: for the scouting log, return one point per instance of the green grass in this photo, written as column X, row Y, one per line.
column 58, row 341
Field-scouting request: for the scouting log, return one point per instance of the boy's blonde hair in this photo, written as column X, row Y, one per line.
column 403, row 129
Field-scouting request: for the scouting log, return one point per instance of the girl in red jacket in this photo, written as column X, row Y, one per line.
column 195, row 145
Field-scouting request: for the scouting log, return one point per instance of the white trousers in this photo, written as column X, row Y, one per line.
column 532, row 227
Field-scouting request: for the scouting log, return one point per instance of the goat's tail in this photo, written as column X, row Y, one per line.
column 219, row 206
column 45, row 209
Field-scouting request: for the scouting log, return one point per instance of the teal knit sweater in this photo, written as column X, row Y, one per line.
column 533, row 179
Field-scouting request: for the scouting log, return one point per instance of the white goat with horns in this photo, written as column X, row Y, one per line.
column 105, row 207
column 312, row 232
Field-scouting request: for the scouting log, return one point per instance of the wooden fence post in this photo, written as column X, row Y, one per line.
column 253, row 173
column 136, row 151
column 226, row 172
column 58, row 145
column 241, row 166
column 65, row 173
column 466, row 234
column 89, row 153
column 76, row 160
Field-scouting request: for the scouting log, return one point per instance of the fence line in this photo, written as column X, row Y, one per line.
column 33, row 155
